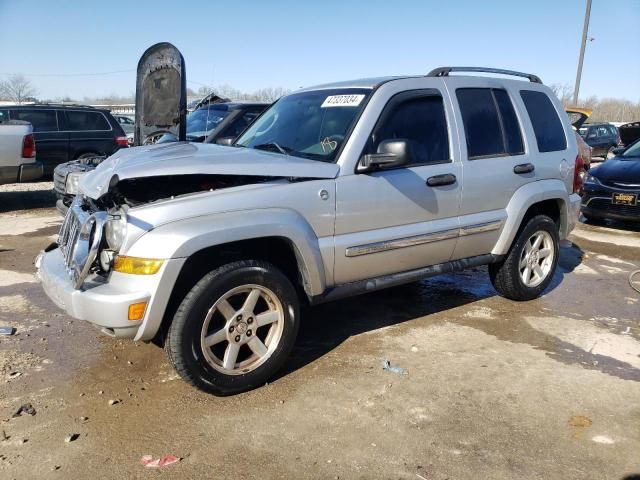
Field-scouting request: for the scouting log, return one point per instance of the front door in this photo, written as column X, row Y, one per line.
column 394, row 220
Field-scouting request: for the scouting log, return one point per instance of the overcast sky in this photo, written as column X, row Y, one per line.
column 255, row 44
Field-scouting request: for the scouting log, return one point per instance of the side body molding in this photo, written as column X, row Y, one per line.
column 520, row 202
column 183, row 238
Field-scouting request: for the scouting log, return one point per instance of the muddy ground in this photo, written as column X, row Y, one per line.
column 546, row 389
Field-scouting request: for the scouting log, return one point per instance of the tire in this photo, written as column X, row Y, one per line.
column 200, row 316
column 506, row 275
column 87, row 155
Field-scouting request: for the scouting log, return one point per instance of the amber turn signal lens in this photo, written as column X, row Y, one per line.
column 137, row 266
column 136, row 310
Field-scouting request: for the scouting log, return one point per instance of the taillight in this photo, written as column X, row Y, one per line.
column 28, row 146
column 122, row 141
column 577, row 174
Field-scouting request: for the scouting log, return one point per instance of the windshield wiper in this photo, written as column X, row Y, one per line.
column 271, row 146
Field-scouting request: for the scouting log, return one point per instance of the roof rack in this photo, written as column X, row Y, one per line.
column 445, row 71
column 56, row 104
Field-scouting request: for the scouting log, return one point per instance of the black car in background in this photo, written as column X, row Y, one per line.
column 602, row 137
column 68, row 132
column 213, row 121
column 612, row 189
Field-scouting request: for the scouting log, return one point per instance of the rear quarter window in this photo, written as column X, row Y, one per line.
column 4, row 116
column 546, row 123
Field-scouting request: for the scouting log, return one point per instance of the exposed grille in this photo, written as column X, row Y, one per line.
column 606, row 205
column 79, row 240
column 69, row 234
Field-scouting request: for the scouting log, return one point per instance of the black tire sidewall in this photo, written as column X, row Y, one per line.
column 537, row 223
column 185, row 331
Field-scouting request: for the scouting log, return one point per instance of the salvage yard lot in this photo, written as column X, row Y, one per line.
column 495, row 389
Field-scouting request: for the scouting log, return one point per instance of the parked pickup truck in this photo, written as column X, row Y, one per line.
column 334, row 191
column 18, row 153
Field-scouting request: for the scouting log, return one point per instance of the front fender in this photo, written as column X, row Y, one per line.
column 522, row 200
column 183, row 238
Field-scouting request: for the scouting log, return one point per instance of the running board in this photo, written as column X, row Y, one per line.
column 386, row 281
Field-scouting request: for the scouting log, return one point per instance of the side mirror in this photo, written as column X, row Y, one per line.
column 228, row 141
column 618, row 150
column 390, row 153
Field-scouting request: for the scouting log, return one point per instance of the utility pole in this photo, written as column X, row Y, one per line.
column 585, row 30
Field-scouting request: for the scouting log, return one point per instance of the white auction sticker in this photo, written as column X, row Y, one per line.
column 342, row 101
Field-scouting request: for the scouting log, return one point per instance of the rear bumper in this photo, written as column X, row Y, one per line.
column 106, row 303
column 573, row 213
column 28, row 172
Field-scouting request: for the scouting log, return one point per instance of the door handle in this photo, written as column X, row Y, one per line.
column 524, row 168
column 441, row 180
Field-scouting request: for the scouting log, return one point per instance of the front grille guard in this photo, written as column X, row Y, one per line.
column 79, row 241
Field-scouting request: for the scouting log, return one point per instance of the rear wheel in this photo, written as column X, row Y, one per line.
column 531, row 262
column 235, row 328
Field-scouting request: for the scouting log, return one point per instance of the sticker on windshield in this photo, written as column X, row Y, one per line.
column 342, row 101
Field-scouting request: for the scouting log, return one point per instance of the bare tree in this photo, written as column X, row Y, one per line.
column 17, row 89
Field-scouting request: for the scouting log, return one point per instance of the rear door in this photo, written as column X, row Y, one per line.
column 495, row 159
column 89, row 133
column 52, row 142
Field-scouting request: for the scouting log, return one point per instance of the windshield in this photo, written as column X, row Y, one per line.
column 633, row 150
column 203, row 120
column 310, row 125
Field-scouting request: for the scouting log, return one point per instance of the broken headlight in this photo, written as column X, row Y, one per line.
column 71, row 185
column 115, row 229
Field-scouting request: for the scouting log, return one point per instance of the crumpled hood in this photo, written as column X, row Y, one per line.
column 184, row 158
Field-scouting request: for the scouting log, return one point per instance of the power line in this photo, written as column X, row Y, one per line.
column 94, row 74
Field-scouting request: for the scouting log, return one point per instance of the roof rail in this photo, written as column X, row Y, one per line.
column 444, row 72
column 56, row 104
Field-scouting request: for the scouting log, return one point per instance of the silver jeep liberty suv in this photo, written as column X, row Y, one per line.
column 333, row 191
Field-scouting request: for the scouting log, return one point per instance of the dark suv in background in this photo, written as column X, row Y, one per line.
column 68, row 132
column 602, row 137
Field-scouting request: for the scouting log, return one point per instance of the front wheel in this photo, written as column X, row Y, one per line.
column 531, row 262
column 235, row 328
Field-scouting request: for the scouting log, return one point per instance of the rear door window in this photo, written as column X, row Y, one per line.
column 80, row 120
column 546, row 123
column 42, row 120
column 420, row 120
column 490, row 123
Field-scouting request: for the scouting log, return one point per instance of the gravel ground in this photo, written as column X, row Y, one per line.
column 494, row 389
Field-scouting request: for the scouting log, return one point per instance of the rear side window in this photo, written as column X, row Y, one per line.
column 86, row 121
column 546, row 123
column 42, row 120
column 4, row 116
column 490, row 123
column 421, row 121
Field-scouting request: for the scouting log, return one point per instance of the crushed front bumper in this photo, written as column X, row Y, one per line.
column 106, row 303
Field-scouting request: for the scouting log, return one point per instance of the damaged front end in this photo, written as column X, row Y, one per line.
column 134, row 192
